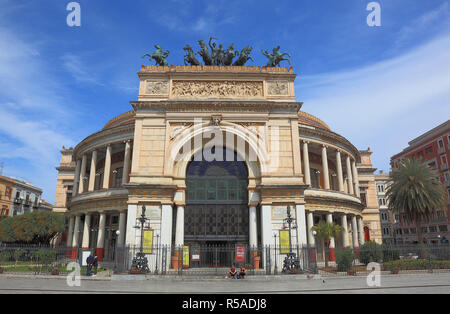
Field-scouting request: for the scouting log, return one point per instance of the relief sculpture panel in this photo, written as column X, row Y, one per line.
column 219, row 89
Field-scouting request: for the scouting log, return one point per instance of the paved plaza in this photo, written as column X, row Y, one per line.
column 390, row 284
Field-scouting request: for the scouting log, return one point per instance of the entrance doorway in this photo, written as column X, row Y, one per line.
column 216, row 218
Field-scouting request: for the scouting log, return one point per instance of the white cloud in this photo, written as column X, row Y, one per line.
column 78, row 70
column 34, row 114
column 387, row 104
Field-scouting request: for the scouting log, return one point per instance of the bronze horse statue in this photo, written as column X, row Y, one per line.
column 231, row 53
column 204, row 53
column 189, row 57
column 158, row 56
column 244, row 56
column 275, row 57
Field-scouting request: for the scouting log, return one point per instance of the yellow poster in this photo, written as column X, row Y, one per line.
column 284, row 241
column 186, row 256
column 148, row 242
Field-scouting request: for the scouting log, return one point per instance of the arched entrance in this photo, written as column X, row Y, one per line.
column 216, row 213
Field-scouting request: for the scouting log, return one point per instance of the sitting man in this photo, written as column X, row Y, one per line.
column 233, row 272
column 242, row 272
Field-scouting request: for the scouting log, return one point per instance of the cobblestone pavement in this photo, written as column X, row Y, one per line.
column 423, row 283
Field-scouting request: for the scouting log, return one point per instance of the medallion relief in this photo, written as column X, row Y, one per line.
column 157, row 87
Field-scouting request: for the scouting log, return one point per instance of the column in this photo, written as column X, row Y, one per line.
column 361, row 231
column 101, row 236
column 344, row 224
column 253, row 235
column 93, row 171
column 326, row 174
column 107, row 169
column 70, row 232
column 82, row 174
column 76, row 236
column 266, row 232
column 301, row 226
column 339, row 171
column 179, row 232
column 332, row 242
column 349, row 176
column 76, row 178
column 122, row 228
column 355, row 232
column 306, row 163
column 166, row 231
column 86, row 231
column 355, row 179
column 310, row 224
column 126, row 162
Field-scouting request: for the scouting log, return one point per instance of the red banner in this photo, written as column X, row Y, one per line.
column 240, row 254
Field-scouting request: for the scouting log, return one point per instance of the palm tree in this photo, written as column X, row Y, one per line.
column 325, row 231
column 415, row 192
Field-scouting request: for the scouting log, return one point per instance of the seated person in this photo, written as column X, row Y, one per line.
column 233, row 272
column 242, row 272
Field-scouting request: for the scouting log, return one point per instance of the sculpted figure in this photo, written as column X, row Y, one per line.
column 244, row 56
column 190, row 56
column 230, row 54
column 204, row 53
column 158, row 56
column 275, row 57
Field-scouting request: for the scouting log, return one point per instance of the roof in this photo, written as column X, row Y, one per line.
column 125, row 118
column 309, row 119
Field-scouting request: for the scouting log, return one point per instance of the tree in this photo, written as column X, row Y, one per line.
column 415, row 192
column 33, row 228
column 325, row 231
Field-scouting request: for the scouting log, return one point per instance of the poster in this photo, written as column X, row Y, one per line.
column 240, row 254
column 186, row 256
column 284, row 241
column 195, row 257
column 148, row 242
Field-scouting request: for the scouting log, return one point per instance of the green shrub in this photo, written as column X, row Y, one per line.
column 370, row 252
column 44, row 257
column 344, row 259
column 390, row 253
column 5, row 256
column 417, row 264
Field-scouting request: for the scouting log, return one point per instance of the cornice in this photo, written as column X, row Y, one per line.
column 103, row 134
column 216, row 105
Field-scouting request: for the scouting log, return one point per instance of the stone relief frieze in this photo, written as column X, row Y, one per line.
column 219, row 89
column 278, row 88
column 157, row 87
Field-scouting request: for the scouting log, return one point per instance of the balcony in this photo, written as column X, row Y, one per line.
column 441, row 150
column 18, row 200
column 444, row 166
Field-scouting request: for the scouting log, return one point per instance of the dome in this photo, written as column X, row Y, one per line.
column 309, row 119
column 125, row 118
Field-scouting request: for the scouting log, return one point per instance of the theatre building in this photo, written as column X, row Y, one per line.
column 217, row 155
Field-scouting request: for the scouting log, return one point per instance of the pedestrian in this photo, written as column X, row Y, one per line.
column 233, row 272
column 242, row 272
column 89, row 262
column 95, row 265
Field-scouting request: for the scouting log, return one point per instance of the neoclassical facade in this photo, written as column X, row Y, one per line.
column 268, row 155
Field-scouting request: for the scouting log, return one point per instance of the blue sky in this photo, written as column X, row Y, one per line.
column 380, row 87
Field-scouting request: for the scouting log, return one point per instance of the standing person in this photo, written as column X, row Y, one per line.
column 95, row 265
column 89, row 262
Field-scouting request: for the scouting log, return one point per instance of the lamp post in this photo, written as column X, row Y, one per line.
column 157, row 251
column 275, row 272
column 140, row 262
column 291, row 262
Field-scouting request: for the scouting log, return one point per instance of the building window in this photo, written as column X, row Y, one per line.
column 381, row 188
column 443, row 228
column 429, row 150
column 315, row 178
column 118, row 173
column 382, row 201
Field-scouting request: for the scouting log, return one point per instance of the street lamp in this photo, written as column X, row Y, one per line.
column 140, row 262
column 157, row 251
column 291, row 262
column 275, row 272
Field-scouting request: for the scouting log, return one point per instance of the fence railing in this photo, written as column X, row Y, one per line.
column 216, row 260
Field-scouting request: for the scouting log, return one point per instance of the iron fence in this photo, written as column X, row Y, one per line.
column 216, row 260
